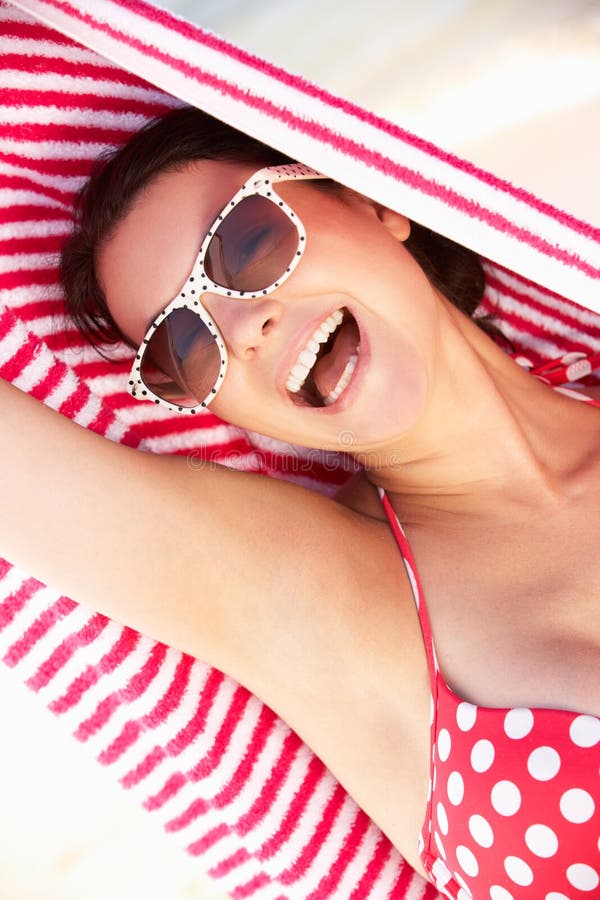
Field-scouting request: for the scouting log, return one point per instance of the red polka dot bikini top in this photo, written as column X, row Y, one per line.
column 514, row 794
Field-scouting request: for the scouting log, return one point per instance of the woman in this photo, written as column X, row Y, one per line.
column 316, row 316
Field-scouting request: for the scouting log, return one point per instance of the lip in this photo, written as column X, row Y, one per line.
column 294, row 350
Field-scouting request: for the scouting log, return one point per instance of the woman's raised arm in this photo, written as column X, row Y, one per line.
column 212, row 561
column 123, row 531
column 291, row 594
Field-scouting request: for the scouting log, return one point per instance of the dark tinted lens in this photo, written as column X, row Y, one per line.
column 181, row 362
column 252, row 247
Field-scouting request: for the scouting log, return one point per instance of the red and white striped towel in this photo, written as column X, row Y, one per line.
column 226, row 777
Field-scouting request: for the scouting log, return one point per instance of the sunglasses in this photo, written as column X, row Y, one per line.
column 252, row 247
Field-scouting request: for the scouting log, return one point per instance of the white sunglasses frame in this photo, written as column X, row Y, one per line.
column 262, row 182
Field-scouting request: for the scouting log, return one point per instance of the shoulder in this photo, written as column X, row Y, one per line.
column 254, row 563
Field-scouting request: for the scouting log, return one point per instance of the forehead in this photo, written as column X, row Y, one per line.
column 143, row 264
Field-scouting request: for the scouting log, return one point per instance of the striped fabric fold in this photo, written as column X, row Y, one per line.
column 228, row 780
column 364, row 151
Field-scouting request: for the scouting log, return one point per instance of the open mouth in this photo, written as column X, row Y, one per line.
column 325, row 366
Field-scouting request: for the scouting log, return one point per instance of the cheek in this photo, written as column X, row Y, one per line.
column 240, row 403
column 394, row 396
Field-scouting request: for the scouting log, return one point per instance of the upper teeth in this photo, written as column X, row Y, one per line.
column 308, row 355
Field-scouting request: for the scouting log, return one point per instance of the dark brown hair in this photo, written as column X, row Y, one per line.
column 171, row 142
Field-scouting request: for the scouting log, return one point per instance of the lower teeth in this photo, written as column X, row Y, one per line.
column 343, row 382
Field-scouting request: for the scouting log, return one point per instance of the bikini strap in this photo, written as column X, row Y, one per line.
column 415, row 584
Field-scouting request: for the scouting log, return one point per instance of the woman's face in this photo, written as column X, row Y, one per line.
column 354, row 262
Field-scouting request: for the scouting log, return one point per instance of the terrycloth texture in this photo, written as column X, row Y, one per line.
column 232, row 783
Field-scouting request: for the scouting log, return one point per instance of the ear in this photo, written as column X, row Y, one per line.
column 397, row 224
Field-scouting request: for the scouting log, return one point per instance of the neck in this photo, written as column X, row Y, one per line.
column 492, row 438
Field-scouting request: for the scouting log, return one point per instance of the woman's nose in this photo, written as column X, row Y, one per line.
column 244, row 324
